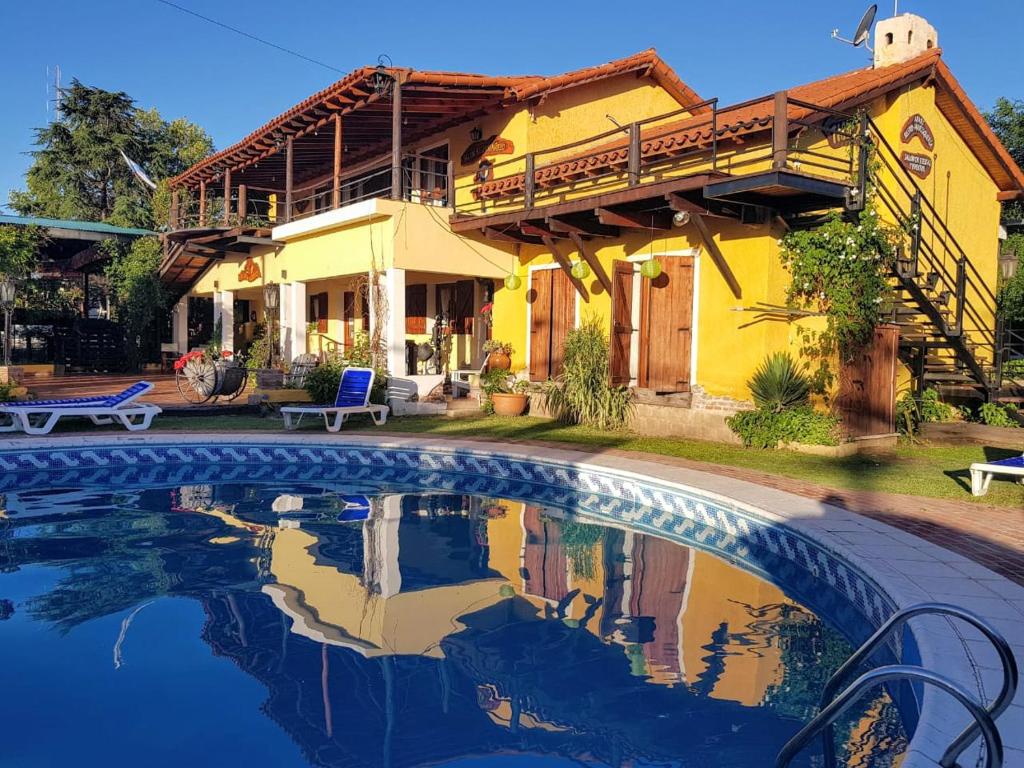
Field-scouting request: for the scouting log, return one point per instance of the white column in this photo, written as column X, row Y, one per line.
column 394, row 330
column 227, row 319
column 380, row 545
column 179, row 326
column 299, row 314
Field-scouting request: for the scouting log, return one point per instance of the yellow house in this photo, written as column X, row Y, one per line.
column 403, row 203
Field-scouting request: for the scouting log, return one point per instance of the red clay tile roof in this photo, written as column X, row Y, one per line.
column 844, row 91
column 508, row 89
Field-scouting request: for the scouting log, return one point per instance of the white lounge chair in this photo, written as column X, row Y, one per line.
column 982, row 473
column 353, row 397
column 39, row 417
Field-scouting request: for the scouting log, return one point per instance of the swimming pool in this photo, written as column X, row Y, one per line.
column 350, row 605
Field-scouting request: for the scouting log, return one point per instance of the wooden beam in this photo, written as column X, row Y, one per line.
column 593, row 261
column 623, row 217
column 780, row 130
column 226, row 217
column 202, row 203
column 396, row 140
column 685, row 205
column 336, row 177
column 563, row 262
column 243, row 203
column 580, row 226
column 716, row 254
column 289, row 173
column 536, row 229
column 509, row 236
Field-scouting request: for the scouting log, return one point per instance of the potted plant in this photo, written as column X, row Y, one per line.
column 510, row 400
column 499, row 355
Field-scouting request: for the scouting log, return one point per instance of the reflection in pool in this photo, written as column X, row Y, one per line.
column 379, row 624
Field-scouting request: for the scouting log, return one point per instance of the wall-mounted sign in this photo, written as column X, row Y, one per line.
column 838, row 131
column 917, row 126
column 917, row 164
column 492, row 145
column 250, row 272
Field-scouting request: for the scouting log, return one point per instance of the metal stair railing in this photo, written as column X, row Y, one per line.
column 827, row 717
column 823, row 723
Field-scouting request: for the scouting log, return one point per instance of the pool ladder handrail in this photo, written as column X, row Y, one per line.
column 824, row 724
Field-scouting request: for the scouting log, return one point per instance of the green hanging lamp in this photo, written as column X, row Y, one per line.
column 512, row 282
column 650, row 269
column 580, row 270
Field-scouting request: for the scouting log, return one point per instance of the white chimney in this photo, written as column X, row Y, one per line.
column 901, row 38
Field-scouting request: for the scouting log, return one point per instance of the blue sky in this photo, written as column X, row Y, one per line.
column 166, row 59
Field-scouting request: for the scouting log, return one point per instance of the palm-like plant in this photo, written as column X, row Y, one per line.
column 779, row 384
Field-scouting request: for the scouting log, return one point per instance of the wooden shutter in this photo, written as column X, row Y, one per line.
column 666, row 319
column 416, row 309
column 622, row 323
column 318, row 311
column 540, row 325
column 563, row 317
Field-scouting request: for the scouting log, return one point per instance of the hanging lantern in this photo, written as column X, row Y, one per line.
column 650, row 269
column 580, row 270
column 512, row 282
column 382, row 80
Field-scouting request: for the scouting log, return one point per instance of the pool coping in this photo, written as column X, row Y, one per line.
column 908, row 569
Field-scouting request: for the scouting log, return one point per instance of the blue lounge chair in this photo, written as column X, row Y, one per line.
column 39, row 417
column 982, row 473
column 353, row 397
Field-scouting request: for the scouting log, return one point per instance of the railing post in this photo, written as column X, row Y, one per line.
column 396, row 140
column 243, row 203
column 174, row 213
column 634, row 154
column 450, row 186
column 961, row 293
column 529, row 181
column 289, row 168
column 915, row 231
column 780, row 130
column 226, row 214
column 862, row 162
column 202, row 203
column 336, row 174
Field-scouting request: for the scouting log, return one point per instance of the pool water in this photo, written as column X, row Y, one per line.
column 383, row 623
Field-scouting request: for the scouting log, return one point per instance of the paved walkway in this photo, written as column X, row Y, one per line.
column 991, row 536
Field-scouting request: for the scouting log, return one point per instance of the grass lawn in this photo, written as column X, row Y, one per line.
column 921, row 470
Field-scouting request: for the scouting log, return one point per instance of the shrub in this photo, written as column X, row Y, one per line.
column 778, row 384
column 1014, row 369
column 998, row 415
column 912, row 411
column 765, row 428
column 582, row 394
column 498, row 347
column 322, row 382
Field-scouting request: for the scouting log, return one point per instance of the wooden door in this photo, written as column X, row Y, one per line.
column 622, row 323
column 666, row 323
column 552, row 316
column 867, row 386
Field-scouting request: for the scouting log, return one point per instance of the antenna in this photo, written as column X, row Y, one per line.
column 860, row 37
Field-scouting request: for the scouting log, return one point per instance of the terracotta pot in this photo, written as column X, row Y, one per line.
column 509, row 404
column 498, row 361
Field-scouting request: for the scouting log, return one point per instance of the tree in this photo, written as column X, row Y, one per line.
column 1007, row 120
column 136, row 292
column 78, row 172
column 19, row 249
column 1010, row 299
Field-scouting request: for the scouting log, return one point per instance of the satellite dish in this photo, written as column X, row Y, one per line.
column 860, row 37
column 864, row 28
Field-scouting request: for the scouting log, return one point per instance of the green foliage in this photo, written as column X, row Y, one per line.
column 778, row 384
column 998, row 415
column 77, row 170
column 7, row 391
column 1014, row 368
column 582, row 394
column 136, row 292
column 19, row 249
column 1010, row 297
column 765, row 428
column 498, row 347
column 912, row 411
column 841, row 271
column 322, row 382
column 258, row 353
column 578, row 540
column 1007, row 121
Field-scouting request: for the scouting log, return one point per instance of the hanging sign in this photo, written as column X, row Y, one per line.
column 917, row 126
column 250, row 271
column 492, row 145
column 917, row 164
column 838, row 131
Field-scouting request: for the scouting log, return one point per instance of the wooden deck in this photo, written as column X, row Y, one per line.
column 164, row 392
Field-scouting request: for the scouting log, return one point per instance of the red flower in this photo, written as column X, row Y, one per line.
column 226, row 353
column 486, row 308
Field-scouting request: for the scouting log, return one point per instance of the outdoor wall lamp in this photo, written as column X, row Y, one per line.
column 270, row 297
column 1008, row 265
column 381, row 79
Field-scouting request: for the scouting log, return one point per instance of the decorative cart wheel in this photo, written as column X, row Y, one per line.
column 197, row 380
column 233, row 379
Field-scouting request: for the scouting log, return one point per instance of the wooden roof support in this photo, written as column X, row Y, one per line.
column 624, row 217
column 580, row 226
column 679, row 203
column 716, row 254
column 289, row 174
column 594, row 263
column 226, row 218
column 336, row 174
column 510, row 236
column 563, row 262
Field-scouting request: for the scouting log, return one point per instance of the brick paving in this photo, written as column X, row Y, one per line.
column 991, row 536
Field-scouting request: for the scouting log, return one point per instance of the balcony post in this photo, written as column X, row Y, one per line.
column 289, row 167
column 202, row 203
column 780, row 130
column 227, row 198
column 450, row 191
column 529, row 181
column 243, row 203
column 634, row 154
column 172, row 218
column 961, row 293
column 396, row 140
column 336, row 177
